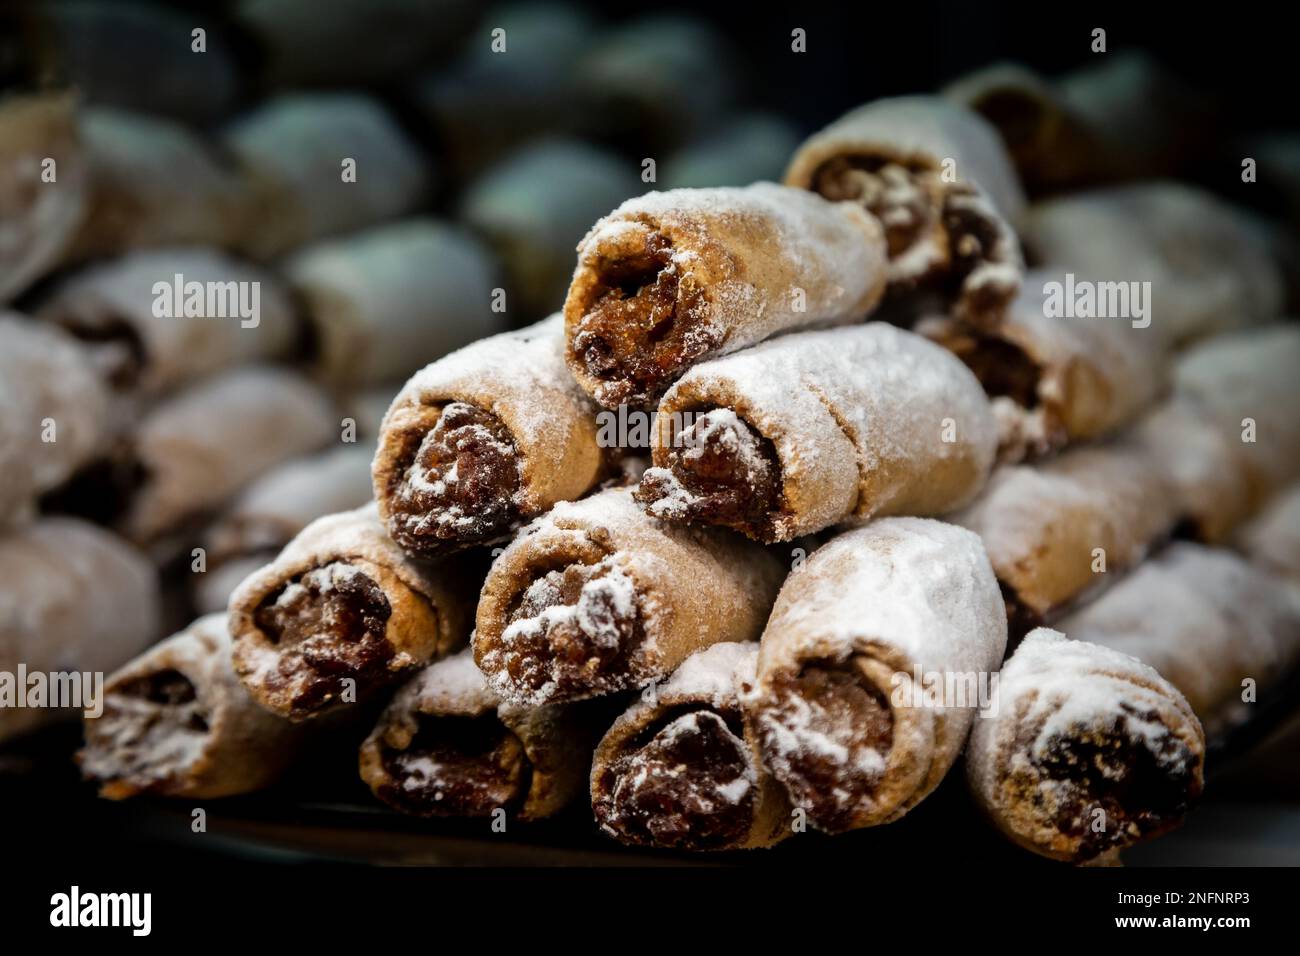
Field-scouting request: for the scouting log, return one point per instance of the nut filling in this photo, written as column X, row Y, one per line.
column 459, row 483
column 327, row 626
column 827, row 738
column 687, row 784
column 720, row 471
column 574, row 633
column 915, row 205
column 457, row 766
column 152, row 729
column 1143, row 784
column 641, row 326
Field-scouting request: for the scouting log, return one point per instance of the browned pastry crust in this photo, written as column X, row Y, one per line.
column 840, row 708
column 447, row 745
column 941, row 184
column 679, row 770
column 342, row 603
column 596, row 597
column 483, row 440
column 1053, row 380
column 820, row 428
column 178, row 723
column 1042, row 525
column 1090, row 751
column 673, row 278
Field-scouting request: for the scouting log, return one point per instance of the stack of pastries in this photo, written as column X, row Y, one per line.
column 807, row 493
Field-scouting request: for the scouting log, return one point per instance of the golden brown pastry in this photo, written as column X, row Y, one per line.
column 178, row 723
column 820, row 428
column 937, row 178
column 596, row 597
column 678, row 769
column 878, row 654
column 483, row 440
column 1089, row 751
column 670, row 279
column 341, row 614
column 447, row 745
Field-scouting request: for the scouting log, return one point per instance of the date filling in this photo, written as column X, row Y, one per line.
column 687, row 783
column 720, row 471
column 942, row 235
column 327, row 626
column 827, row 736
column 573, row 633
column 152, row 730
column 458, row 485
column 1113, row 785
column 641, row 326
column 457, row 766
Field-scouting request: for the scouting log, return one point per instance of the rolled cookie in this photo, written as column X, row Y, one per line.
column 341, row 614
column 820, row 428
column 670, row 279
column 679, row 770
column 852, row 708
column 483, row 440
column 178, row 723
column 596, row 597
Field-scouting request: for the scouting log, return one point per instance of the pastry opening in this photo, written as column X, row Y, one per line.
column 152, row 729
column 456, row 766
column 827, row 733
column 640, row 325
column 456, row 483
column 1123, row 783
column 685, row 782
column 905, row 198
column 720, row 471
column 573, row 632
column 1003, row 368
column 1019, row 117
column 326, row 626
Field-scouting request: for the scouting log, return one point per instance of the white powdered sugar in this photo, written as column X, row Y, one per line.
column 716, row 674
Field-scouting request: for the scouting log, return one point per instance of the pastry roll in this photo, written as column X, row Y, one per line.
column 874, row 662
column 1051, row 530
column 293, row 149
column 273, row 509
column 1209, row 267
column 483, row 440
column 1245, row 384
column 1055, row 380
column 198, row 448
column 447, row 745
column 1125, row 118
column 159, row 318
column 153, row 182
column 384, row 302
column 535, row 205
column 73, row 597
column 595, row 597
column 820, row 428
column 671, row 279
column 178, row 723
column 53, row 412
column 1205, row 618
column 680, row 771
column 1272, row 540
column 939, row 181
column 37, row 217
column 1203, row 465
column 1088, row 752
column 342, row 609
